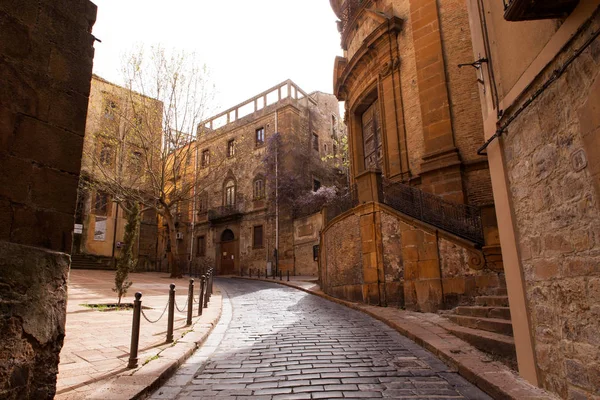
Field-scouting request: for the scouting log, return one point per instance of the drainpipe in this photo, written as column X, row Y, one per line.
column 115, row 234
column 193, row 207
column 276, row 195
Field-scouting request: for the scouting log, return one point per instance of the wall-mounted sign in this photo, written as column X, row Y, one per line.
column 78, row 228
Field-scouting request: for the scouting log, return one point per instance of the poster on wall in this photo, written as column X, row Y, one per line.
column 100, row 228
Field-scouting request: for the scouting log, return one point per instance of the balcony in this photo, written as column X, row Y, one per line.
column 527, row 10
column 348, row 11
column 224, row 214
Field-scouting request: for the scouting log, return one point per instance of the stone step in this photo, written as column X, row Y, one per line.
column 492, row 301
column 483, row 312
column 497, row 325
column 489, row 342
column 500, row 291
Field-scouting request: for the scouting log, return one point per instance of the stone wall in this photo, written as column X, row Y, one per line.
column 46, row 57
column 307, row 232
column 417, row 267
column 552, row 152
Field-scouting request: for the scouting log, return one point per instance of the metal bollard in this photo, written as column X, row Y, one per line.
column 190, row 309
column 288, row 275
column 212, row 278
column 171, row 315
column 206, row 293
column 201, row 298
column 280, row 275
column 266, row 273
column 135, row 331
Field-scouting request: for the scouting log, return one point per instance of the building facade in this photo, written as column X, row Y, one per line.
column 414, row 126
column 118, row 120
column 282, row 138
column 540, row 100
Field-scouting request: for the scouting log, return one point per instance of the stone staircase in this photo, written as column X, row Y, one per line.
column 87, row 261
column 486, row 325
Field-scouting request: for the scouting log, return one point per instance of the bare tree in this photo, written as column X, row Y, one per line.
column 144, row 152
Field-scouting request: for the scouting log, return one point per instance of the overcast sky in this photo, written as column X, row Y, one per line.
column 248, row 46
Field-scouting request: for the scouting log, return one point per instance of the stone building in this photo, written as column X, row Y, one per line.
column 237, row 218
column 540, row 96
column 46, row 56
column 117, row 119
column 426, row 219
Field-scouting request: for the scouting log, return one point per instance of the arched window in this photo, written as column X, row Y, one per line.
column 259, row 188
column 227, row 235
column 229, row 193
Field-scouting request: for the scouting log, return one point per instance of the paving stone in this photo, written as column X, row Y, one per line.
column 276, row 342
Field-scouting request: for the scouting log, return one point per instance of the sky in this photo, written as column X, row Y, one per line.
column 248, row 46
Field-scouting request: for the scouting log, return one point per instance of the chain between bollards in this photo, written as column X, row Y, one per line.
column 201, row 298
column 171, row 315
column 135, row 331
column 190, row 309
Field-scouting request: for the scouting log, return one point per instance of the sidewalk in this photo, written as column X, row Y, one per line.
column 427, row 330
column 93, row 361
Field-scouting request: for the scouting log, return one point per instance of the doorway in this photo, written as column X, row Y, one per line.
column 227, row 252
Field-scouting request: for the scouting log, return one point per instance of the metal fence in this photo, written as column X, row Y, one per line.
column 341, row 204
column 460, row 219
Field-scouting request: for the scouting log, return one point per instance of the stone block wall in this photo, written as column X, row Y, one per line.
column 552, row 153
column 46, row 55
column 394, row 259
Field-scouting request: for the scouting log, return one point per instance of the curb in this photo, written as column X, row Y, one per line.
column 140, row 382
column 495, row 379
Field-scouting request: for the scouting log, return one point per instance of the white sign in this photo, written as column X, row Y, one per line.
column 78, row 228
column 100, row 228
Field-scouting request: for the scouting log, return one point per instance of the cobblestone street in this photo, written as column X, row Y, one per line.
column 275, row 342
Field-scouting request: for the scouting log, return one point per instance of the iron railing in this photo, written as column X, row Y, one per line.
column 350, row 9
column 341, row 204
column 224, row 212
column 460, row 219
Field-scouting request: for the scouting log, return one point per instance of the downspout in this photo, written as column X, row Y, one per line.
column 193, row 207
column 276, row 193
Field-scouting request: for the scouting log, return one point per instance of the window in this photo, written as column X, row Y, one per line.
column 325, row 147
column 315, row 141
column 110, row 108
column 201, row 246
column 136, row 162
column 316, row 185
column 202, row 203
column 260, row 136
column 231, row 148
column 259, row 189
column 205, row 158
column 230, row 193
column 101, row 204
column 257, row 237
column 105, row 154
column 333, row 126
column 316, row 252
column 371, row 130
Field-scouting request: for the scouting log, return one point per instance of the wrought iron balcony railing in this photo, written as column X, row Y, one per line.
column 224, row 212
column 349, row 9
column 460, row 219
column 525, row 10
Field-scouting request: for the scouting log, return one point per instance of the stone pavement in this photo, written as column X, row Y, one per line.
column 428, row 330
column 276, row 342
column 94, row 357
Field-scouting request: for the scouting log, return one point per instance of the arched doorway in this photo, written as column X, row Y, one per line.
column 227, row 252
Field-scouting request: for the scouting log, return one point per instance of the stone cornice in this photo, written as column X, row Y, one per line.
column 365, row 54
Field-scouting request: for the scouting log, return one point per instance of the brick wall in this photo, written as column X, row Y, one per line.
column 45, row 67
